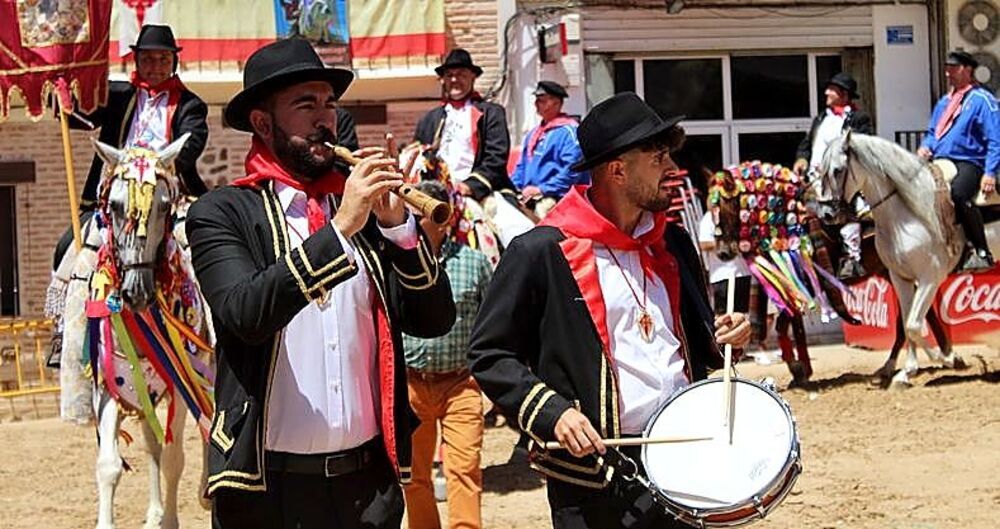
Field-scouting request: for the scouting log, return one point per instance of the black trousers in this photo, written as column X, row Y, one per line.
column 368, row 499
column 622, row 505
column 964, row 188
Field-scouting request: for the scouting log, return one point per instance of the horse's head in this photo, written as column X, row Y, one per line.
column 726, row 215
column 833, row 184
column 137, row 192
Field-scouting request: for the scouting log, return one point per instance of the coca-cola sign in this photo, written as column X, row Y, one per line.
column 964, row 299
column 869, row 302
column 969, row 306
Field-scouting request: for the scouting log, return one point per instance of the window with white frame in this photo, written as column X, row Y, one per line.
column 738, row 106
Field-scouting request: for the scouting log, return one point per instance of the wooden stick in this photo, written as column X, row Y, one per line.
column 74, row 206
column 636, row 441
column 727, row 383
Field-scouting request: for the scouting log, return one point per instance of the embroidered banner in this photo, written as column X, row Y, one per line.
column 48, row 45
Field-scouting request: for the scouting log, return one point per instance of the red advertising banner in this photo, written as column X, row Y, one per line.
column 969, row 305
column 48, row 46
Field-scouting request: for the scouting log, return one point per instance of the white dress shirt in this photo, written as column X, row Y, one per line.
column 149, row 123
column 829, row 130
column 456, row 141
column 325, row 393
column 648, row 372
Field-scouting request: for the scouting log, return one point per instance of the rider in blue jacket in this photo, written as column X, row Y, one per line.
column 965, row 128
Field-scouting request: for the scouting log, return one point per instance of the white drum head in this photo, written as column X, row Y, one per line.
column 716, row 474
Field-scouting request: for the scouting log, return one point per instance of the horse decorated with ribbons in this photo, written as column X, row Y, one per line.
column 136, row 331
column 761, row 217
column 915, row 231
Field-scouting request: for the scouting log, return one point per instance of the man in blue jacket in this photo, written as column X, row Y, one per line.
column 965, row 128
column 550, row 149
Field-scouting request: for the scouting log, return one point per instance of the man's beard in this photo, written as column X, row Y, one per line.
column 296, row 154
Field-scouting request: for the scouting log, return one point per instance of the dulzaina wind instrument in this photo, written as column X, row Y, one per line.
column 432, row 208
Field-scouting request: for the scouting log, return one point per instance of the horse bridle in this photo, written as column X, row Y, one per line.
column 850, row 174
column 106, row 214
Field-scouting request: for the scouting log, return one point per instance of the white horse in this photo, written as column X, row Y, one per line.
column 915, row 232
column 140, row 235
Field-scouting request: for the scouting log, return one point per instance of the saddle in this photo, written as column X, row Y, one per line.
column 945, row 171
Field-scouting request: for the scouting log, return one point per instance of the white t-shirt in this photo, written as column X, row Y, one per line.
column 718, row 270
column 829, row 130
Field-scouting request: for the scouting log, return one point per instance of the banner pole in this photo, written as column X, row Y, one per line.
column 74, row 206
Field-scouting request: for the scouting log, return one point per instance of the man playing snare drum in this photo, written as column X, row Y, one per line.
column 596, row 317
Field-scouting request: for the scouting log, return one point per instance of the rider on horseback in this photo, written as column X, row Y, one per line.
column 965, row 129
column 841, row 113
column 151, row 110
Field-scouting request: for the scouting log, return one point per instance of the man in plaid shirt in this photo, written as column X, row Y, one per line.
column 442, row 390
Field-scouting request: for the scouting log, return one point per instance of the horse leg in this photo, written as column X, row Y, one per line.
column 787, row 348
column 109, row 460
column 802, row 347
column 943, row 337
column 885, row 372
column 173, row 463
column 905, row 293
column 922, row 305
column 154, row 451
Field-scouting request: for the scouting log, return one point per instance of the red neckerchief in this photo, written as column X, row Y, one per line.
column 459, row 103
column 536, row 135
column 840, row 110
column 172, row 86
column 575, row 216
column 955, row 99
column 261, row 166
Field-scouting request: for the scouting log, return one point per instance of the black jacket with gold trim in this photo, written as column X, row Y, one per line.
column 536, row 350
column 115, row 118
column 255, row 284
column 492, row 143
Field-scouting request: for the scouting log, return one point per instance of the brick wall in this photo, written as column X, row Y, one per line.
column 472, row 24
column 43, row 207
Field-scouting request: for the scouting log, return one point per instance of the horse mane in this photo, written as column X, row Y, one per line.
column 911, row 177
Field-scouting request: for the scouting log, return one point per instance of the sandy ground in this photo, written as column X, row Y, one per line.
column 923, row 458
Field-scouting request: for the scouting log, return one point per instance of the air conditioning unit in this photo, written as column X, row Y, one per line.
column 975, row 27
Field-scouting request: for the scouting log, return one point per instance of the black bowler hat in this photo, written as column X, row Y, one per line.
column 458, row 58
column 550, row 88
column 844, row 81
column 961, row 58
column 617, row 125
column 278, row 65
column 155, row 37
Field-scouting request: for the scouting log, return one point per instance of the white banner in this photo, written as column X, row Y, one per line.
column 128, row 13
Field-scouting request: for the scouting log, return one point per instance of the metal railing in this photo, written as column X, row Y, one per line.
column 23, row 369
column 910, row 139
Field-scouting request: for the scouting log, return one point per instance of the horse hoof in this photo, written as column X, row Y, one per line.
column 900, row 383
column 954, row 361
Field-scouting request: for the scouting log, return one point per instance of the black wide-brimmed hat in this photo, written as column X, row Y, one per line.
column 279, row 65
column 458, row 58
column 550, row 88
column 844, row 81
column 155, row 37
column 961, row 58
column 617, row 125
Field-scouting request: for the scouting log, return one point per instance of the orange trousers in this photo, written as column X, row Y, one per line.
column 455, row 402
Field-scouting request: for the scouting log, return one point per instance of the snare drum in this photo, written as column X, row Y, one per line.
column 717, row 483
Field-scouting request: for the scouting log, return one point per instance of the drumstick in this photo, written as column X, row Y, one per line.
column 636, row 441
column 727, row 383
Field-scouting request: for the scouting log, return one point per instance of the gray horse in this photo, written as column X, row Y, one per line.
column 915, row 232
